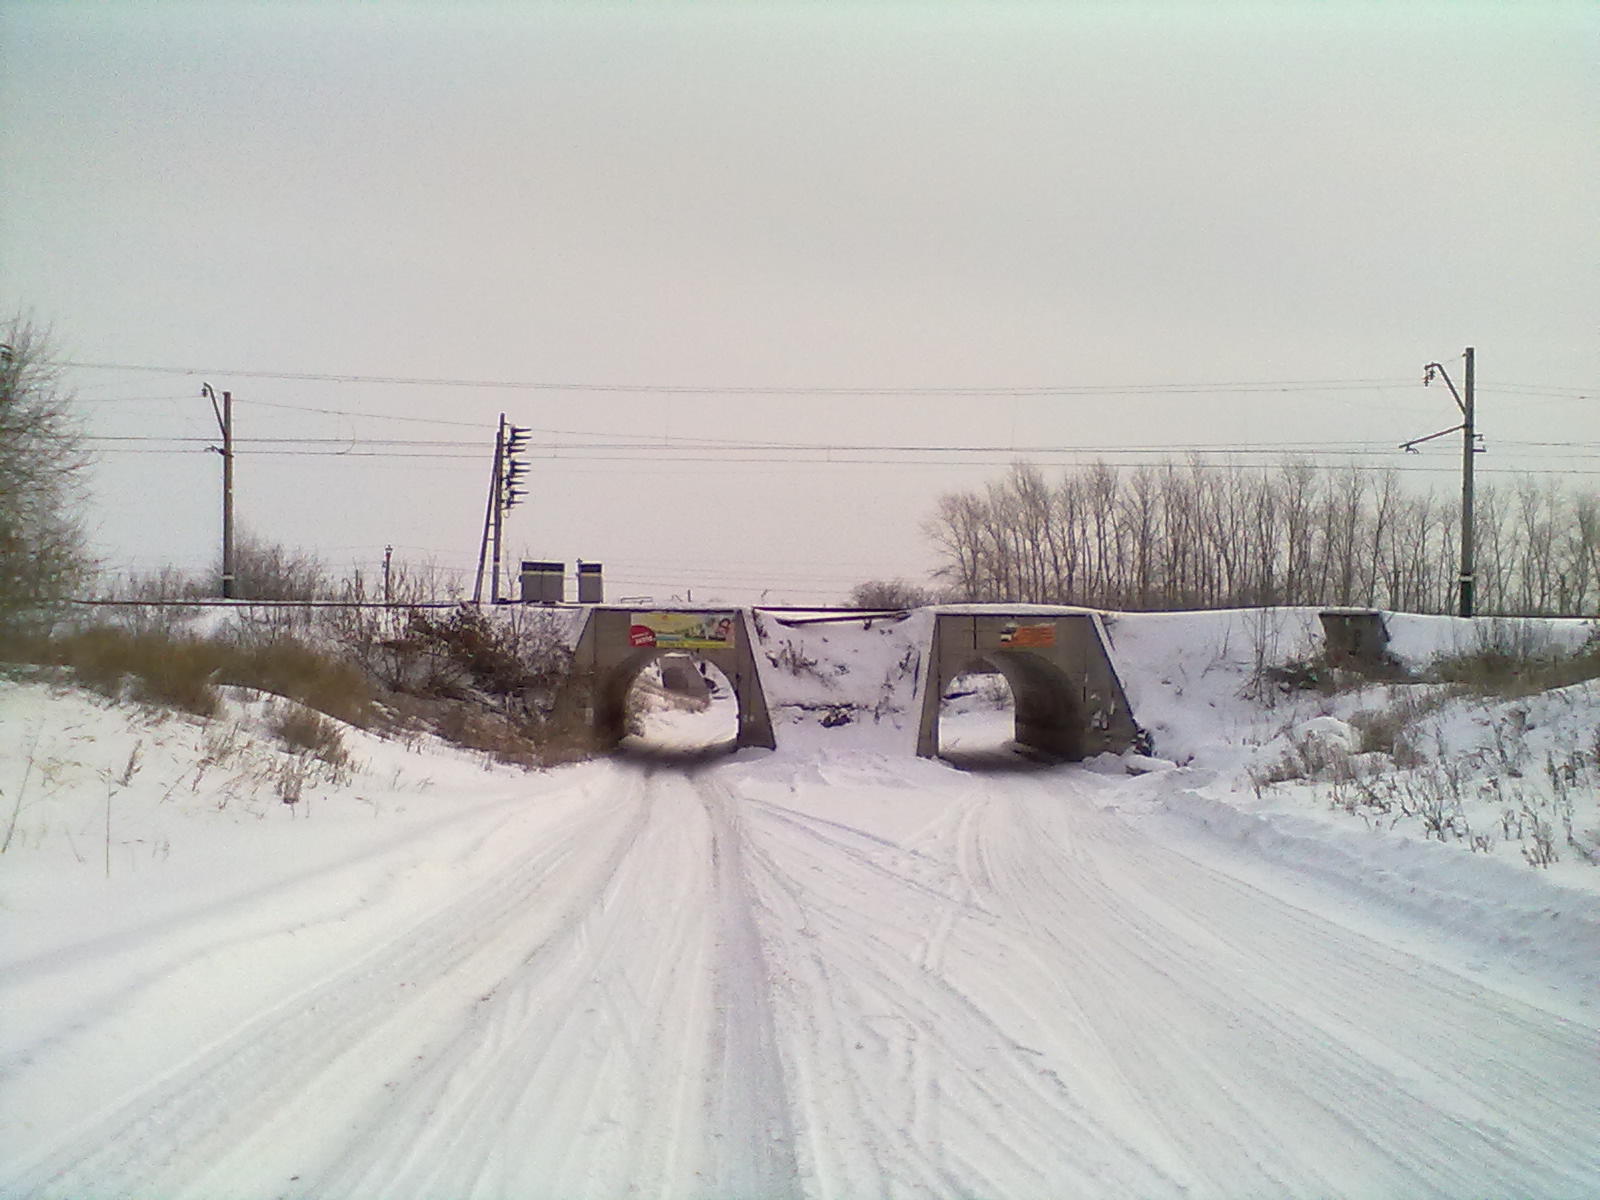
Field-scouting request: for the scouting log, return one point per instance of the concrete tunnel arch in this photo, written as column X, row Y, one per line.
column 1048, row 714
column 612, row 687
column 1069, row 702
column 609, row 657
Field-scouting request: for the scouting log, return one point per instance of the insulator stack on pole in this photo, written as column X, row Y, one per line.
column 499, row 507
column 505, row 493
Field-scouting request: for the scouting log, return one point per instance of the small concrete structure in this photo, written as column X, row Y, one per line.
column 591, row 583
column 1355, row 637
column 1069, row 701
column 543, row 582
column 679, row 675
column 617, row 643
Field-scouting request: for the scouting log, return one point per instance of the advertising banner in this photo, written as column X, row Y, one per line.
column 1023, row 636
column 682, row 631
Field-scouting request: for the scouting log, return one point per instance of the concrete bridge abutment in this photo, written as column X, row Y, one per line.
column 617, row 643
column 1069, row 702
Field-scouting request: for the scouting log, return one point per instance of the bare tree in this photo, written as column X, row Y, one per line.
column 1583, row 553
column 1538, row 516
column 266, row 570
column 42, row 462
column 1201, row 534
column 954, row 529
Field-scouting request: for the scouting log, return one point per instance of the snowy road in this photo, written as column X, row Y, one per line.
column 769, row 978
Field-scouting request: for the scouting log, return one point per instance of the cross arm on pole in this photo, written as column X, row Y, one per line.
column 1411, row 446
column 209, row 394
column 1427, row 378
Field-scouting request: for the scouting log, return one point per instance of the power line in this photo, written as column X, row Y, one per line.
column 345, row 412
column 695, row 450
column 733, row 444
column 1542, row 395
column 130, row 399
column 633, row 461
column 1512, row 389
column 1248, row 385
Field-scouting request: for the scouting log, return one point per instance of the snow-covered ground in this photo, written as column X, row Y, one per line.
column 833, row 970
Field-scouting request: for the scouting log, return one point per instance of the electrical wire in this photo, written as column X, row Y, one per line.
column 689, row 450
column 1188, row 388
column 633, row 462
column 130, row 399
column 733, row 445
column 1249, row 385
column 345, row 412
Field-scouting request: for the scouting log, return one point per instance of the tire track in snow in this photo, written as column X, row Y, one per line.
column 750, row 1095
column 682, row 991
column 585, row 1073
column 1179, row 1031
column 99, row 986
column 1239, row 1023
column 908, row 1084
column 158, row 1141
column 641, row 1060
column 243, row 908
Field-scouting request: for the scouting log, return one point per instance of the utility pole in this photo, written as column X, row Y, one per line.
column 1469, row 447
column 388, row 591
column 499, row 508
column 505, row 493
column 224, row 416
column 491, row 519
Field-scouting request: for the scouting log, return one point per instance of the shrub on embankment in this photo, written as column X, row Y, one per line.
column 183, row 672
column 491, row 684
column 1491, row 744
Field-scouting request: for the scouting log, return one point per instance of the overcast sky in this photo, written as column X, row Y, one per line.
column 679, row 223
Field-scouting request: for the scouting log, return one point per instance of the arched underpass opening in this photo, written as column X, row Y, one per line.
column 618, row 643
column 679, row 706
column 977, row 717
column 668, row 706
column 1007, row 712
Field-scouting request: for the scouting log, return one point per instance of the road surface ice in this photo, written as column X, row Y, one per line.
column 784, row 975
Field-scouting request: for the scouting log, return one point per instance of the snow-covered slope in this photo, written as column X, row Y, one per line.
column 834, row 970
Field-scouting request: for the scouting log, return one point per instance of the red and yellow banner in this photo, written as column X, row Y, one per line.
column 682, row 631
column 1024, row 636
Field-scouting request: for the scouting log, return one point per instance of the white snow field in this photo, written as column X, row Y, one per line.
column 834, row 970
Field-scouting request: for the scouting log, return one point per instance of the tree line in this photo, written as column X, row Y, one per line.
column 42, row 463
column 1206, row 534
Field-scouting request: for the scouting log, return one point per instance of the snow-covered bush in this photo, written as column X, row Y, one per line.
column 1516, row 658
